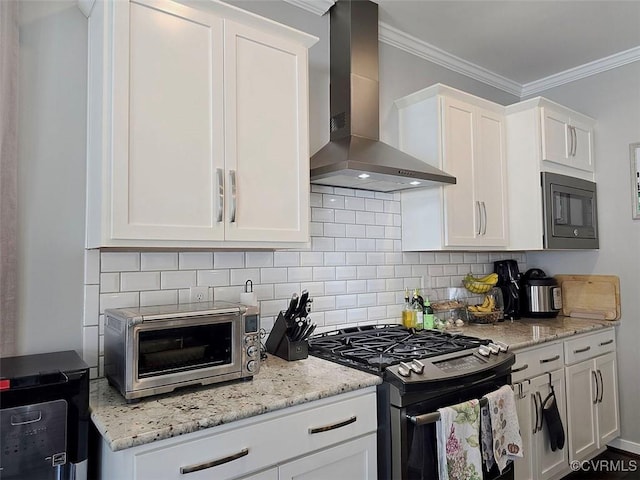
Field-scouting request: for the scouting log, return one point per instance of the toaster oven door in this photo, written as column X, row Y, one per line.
column 166, row 353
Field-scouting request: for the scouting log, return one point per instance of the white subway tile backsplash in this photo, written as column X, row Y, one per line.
column 119, row 261
column 178, row 279
column 345, row 216
column 212, row 278
column 258, row 259
column 119, row 300
column 321, row 274
column 137, row 281
column 228, row 260
column 332, row 201
column 240, row 276
column 158, row 297
column 355, row 270
column 90, row 348
column 354, row 203
column 273, row 275
column 158, row 261
column 109, row 282
column 195, row 261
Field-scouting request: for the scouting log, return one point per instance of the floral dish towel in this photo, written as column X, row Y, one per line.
column 457, row 434
column 507, row 442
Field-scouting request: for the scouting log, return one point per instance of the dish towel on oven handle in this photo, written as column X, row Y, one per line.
column 457, row 434
column 505, row 429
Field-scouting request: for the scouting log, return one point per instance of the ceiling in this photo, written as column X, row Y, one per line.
column 520, row 42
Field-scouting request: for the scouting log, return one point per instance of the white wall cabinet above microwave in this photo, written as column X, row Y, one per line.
column 198, row 127
column 464, row 136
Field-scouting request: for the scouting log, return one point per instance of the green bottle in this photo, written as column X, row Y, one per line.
column 428, row 315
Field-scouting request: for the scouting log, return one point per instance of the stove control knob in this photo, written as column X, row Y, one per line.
column 404, row 370
column 417, row 366
column 484, row 351
column 495, row 349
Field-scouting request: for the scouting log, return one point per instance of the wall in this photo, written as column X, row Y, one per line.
column 354, row 270
column 51, row 175
column 613, row 99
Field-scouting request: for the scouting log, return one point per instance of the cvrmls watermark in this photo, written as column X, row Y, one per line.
column 604, row 466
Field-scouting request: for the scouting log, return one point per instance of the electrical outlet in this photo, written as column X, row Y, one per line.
column 199, row 294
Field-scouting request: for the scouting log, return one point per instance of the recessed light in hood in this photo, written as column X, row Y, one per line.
column 355, row 157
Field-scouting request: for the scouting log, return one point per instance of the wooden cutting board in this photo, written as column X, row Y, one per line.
column 590, row 296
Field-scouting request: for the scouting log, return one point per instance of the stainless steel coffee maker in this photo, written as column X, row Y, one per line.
column 509, row 283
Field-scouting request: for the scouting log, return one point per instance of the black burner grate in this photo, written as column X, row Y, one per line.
column 373, row 348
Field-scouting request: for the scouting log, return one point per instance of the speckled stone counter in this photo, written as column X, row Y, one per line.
column 279, row 384
column 532, row 331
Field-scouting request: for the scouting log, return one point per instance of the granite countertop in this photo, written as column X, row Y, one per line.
column 526, row 332
column 279, row 384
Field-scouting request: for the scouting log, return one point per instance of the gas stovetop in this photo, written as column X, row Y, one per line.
column 373, row 348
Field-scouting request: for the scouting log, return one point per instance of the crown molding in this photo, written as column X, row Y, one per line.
column 410, row 44
column 318, row 7
column 582, row 71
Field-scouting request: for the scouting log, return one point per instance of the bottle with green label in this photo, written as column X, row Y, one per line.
column 428, row 313
column 418, row 307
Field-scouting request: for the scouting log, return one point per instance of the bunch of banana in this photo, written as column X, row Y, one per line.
column 480, row 285
column 488, row 305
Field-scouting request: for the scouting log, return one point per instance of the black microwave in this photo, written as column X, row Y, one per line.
column 569, row 208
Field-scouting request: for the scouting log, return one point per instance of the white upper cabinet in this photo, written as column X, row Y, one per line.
column 198, row 127
column 567, row 138
column 464, row 136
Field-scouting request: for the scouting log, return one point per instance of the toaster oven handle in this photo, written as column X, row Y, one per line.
column 213, row 463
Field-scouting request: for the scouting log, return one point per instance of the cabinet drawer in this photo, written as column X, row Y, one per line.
column 531, row 363
column 590, row 346
column 236, row 452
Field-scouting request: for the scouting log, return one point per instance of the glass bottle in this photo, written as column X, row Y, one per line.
column 428, row 314
column 408, row 313
column 418, row 307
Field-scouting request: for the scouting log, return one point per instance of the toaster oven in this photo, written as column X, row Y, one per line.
column 153, row 350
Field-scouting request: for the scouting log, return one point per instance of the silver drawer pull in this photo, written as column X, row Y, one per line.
column 333, row 426
column 520, row 369
column 214, row 463
column 582, row 350
column 552, row 359
column 608, row 342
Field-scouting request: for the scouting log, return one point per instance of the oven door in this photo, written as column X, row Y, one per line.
column 169, row 352
column 570, row 212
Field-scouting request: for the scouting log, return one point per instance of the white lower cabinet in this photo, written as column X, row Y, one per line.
column 329, row 438
column 592, row 395
column 540, row 462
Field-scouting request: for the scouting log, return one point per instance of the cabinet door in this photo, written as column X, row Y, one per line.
column 550, row 463
column 461, row 211
column 583, row 144
column 581, row 398
column 266, row 137
column 167, row 122
column 525, row 466
column 555, row 135
column 353, row 460
column 608, row 413
column 490, row 178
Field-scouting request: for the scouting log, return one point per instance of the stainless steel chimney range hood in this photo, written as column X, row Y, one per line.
column 355, row 157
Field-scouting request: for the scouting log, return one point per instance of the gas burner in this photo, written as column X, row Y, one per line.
column 373, row 348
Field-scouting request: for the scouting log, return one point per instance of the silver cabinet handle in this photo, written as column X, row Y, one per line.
column 484, row 221
column 479, row 217
column 608, row 342
column 582, row 350
column 571, row 140
column 214, row 463
column 539, row 428
column 601, row 387
column 333, row 426
column 219, row 176
column 595, row 379
column 552, row 359
column 535, row 409
column 234, row 197
column 520, row 369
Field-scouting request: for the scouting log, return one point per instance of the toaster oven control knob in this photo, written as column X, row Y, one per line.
column 248, row 340
column 575, row 232
column 251, row 366
column 252, row 351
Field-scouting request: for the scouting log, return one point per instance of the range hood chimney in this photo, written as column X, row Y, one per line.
column 355, row 157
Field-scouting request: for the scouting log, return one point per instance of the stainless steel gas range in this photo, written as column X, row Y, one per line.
column 422, row 371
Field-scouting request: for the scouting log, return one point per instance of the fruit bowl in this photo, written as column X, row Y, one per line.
column 485, row 317
column 480, row 285
column 491, row 310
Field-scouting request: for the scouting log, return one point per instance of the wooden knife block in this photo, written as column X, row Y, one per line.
column 280, row 345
